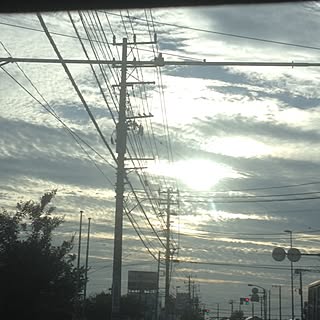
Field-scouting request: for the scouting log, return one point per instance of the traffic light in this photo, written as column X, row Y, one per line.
column 246, row 300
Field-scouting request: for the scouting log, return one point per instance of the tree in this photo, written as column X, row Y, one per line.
column 99, row 307
column 38, row 279
column 237, row 315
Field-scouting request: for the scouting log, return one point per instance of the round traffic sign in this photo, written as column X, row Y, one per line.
column 278, row 254
column 294, row 255
column 254, row 290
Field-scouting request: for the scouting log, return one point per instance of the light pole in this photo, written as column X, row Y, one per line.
column 291, row 268
column 269, row 304
column 280, row 312
column 264, row 298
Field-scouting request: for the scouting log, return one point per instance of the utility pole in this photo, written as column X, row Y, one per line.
column 157, row 293
column 121, row 129
column 280, row 311
column 218, row 311
column 301, row 295
column 77, row 302
column 299, row 271
column 167, row 281
column 87, row 258
column 291, row 269
column 168, row 201
column 190, row 297
column 231, row 302
column 79, row 250
column 121, row 146
column 280, row 307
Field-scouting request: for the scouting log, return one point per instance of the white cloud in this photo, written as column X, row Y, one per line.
column 246, row 127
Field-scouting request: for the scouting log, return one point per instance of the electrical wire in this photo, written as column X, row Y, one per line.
column 73, row 134
column 75, row 85
column 224, row 33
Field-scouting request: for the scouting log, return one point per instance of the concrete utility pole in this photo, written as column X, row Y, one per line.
column 280, row 311
column 121, row 146
column 121, row 129
column 300, row 271
column 157, row 293
column 301, row 295
column 231, row 302
column 190, row 296
column 168, row 202
column 291, row 269
column 79, row 250
column 87, row 259
column 167, row 281
column 77, row 302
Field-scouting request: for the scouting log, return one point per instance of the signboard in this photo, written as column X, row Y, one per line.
column 142, row 280
column 278, row 254
column 255, row 297
column 294, row 255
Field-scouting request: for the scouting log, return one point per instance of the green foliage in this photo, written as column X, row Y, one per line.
column 38, row 279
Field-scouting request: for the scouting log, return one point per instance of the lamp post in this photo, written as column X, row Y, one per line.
column 269, row 304
column 280, row 312
column 291, row 268
column 264, row 298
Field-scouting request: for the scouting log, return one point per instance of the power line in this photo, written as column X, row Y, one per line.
column 75, row 85
column 251, row 201
column 263, row 188
column 73, row 134
column 240, row 265
column 250, row 196
column 225, row 33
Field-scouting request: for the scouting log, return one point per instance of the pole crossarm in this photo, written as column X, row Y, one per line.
column 155, row 63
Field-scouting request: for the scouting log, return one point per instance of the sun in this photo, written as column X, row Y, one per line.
column 197, row 174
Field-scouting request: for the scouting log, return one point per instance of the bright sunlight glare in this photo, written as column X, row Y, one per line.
column 196, row 174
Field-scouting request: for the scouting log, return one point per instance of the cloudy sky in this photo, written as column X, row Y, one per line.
column 239, row 143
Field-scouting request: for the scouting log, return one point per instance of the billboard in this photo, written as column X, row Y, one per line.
column 142, row 280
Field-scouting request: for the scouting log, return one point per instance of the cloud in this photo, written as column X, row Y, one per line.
column 259, row 123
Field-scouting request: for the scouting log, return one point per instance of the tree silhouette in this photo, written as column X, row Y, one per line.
column 98, row 307
column 237, row 315
column 38, row 279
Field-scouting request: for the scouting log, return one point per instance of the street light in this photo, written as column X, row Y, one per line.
column 291, row 267
column 278, row 286
column 264, row 298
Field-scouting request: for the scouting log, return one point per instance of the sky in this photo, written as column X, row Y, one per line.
column 237, row 142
